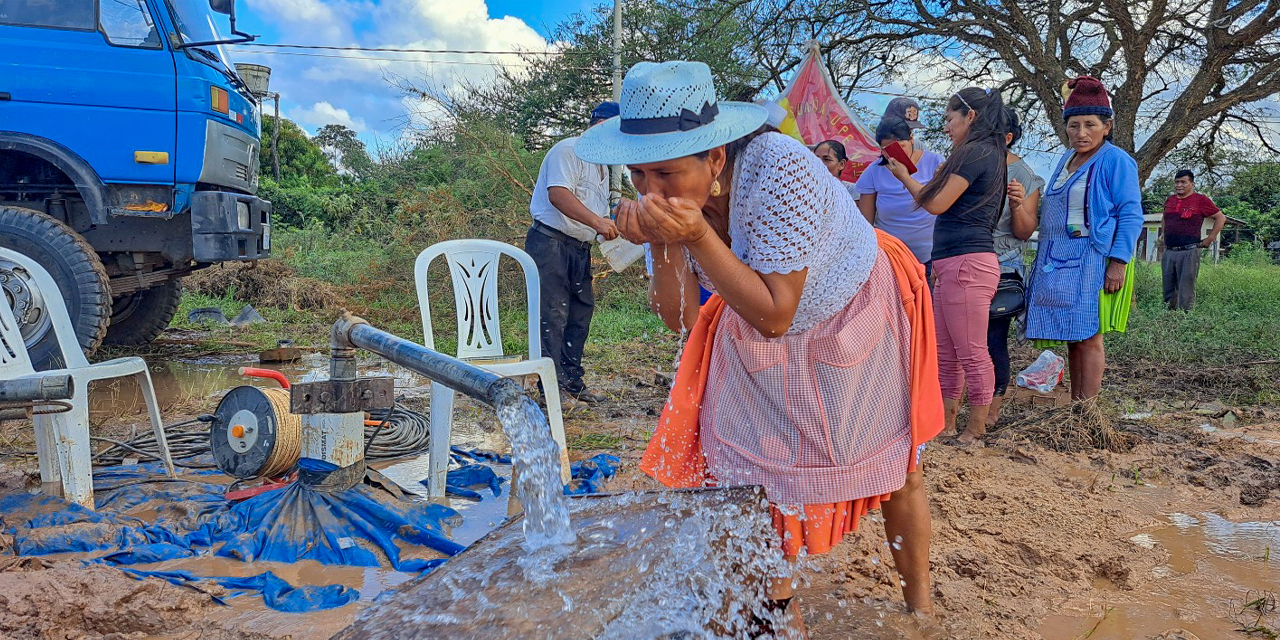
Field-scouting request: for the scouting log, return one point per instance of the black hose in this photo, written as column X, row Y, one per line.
column 407, row 433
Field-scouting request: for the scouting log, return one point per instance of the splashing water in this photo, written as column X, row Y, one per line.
column 646, row 566
column 536, row 460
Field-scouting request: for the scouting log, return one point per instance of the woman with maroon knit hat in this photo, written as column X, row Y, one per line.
column 1090, row 218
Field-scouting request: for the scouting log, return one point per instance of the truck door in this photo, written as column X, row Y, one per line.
column 97, row 77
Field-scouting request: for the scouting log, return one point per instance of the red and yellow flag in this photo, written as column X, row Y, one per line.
column 815, row 112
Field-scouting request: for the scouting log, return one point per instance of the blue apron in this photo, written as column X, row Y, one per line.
column 1068, row 275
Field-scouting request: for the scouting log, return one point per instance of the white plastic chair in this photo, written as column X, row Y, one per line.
column 62, row 439
column 473, row 265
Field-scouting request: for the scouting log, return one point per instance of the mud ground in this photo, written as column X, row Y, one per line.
column 1027, row 543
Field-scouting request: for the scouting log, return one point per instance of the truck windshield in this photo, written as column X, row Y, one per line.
column 197, row 23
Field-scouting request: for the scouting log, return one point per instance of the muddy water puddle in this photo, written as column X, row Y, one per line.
column 249, row 613
column 1214, row 567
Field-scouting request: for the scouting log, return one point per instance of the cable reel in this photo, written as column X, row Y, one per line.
column 253, row 434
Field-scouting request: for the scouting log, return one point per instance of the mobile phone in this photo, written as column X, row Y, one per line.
column 896, row 152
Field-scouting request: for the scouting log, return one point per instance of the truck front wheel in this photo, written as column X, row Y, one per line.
column 75, row 268
column 136, row 319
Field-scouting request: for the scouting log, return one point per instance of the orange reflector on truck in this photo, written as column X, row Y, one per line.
column 220, row 100
column 149, row 205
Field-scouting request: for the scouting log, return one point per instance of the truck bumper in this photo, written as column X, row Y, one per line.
column 229, row 226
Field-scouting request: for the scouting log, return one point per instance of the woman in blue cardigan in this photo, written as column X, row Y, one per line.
column 1090, row 218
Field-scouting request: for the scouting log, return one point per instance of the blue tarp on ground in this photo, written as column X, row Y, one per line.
column 276, row 592
column 186, row 518
column 458, row 480
column 588, row 475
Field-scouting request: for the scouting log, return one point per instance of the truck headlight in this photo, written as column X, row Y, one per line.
column 242, row 215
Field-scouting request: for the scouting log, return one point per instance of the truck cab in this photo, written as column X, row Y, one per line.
column 128, row 159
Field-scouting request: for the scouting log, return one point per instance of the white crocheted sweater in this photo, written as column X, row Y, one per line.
column 786, row 213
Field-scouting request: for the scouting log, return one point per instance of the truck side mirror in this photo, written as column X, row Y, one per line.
column 227, row 8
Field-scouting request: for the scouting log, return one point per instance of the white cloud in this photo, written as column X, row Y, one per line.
column 322, row 113
column 352, row 88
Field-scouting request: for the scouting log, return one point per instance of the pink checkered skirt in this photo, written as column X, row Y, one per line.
column 818, row 417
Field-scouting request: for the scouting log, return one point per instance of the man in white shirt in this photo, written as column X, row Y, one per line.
column 570, row 208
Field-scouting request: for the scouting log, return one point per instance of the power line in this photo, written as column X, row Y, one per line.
column 411, row 60
column 399, row 50
column 385, row 59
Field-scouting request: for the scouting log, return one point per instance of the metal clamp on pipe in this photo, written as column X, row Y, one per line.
column 35, row 389
column 20, row 398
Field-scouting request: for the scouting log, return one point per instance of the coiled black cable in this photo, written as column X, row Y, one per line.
column 402, row 432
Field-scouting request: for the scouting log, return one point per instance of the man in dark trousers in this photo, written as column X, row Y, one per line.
column 1184, row 215
column 570, row 208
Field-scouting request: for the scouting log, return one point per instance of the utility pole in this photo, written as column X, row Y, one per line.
column 615, row 172
column 275, row 141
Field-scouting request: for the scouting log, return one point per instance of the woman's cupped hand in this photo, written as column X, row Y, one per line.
column 660, row 220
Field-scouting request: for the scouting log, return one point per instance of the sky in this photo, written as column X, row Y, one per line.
column 359, row 93
column 316, row 91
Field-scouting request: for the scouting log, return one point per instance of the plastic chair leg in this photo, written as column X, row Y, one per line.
column 555, row 418
column 74, row 453
column 441, row 420
column 153, row 412
column 47, row 453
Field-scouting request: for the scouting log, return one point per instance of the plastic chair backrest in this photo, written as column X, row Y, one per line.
column 63, row 330
column 473, row 265
column 14, row 359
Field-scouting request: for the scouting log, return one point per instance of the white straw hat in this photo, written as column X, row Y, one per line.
column 669, row 110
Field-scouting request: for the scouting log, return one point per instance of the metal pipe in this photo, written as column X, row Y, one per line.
column 351, row 332
column 36, row 389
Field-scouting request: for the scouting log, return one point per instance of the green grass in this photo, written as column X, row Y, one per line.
column 1236, row 318
column 590, row 441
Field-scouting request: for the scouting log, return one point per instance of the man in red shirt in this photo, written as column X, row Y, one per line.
column 1184, row 214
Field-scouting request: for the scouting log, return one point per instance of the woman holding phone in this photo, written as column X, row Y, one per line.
column 966, row 195
column 887, row 204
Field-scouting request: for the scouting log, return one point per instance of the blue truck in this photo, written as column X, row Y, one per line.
column 128, row 159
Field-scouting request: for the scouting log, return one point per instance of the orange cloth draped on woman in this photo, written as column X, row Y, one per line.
column 675, row 458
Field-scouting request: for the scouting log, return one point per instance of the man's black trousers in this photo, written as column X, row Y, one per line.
column 564, row 269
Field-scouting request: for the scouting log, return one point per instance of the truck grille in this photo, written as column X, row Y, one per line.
column 241, row 171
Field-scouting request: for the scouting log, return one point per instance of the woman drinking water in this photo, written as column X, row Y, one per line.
column 811, row 372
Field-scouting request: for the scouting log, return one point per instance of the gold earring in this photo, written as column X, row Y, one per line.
column 715, row 189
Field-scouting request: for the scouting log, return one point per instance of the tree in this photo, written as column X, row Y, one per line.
column 301, row 159
column 1184, row 71
column 344, row 149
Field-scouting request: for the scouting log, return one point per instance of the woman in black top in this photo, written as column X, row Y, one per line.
column 966, row 194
